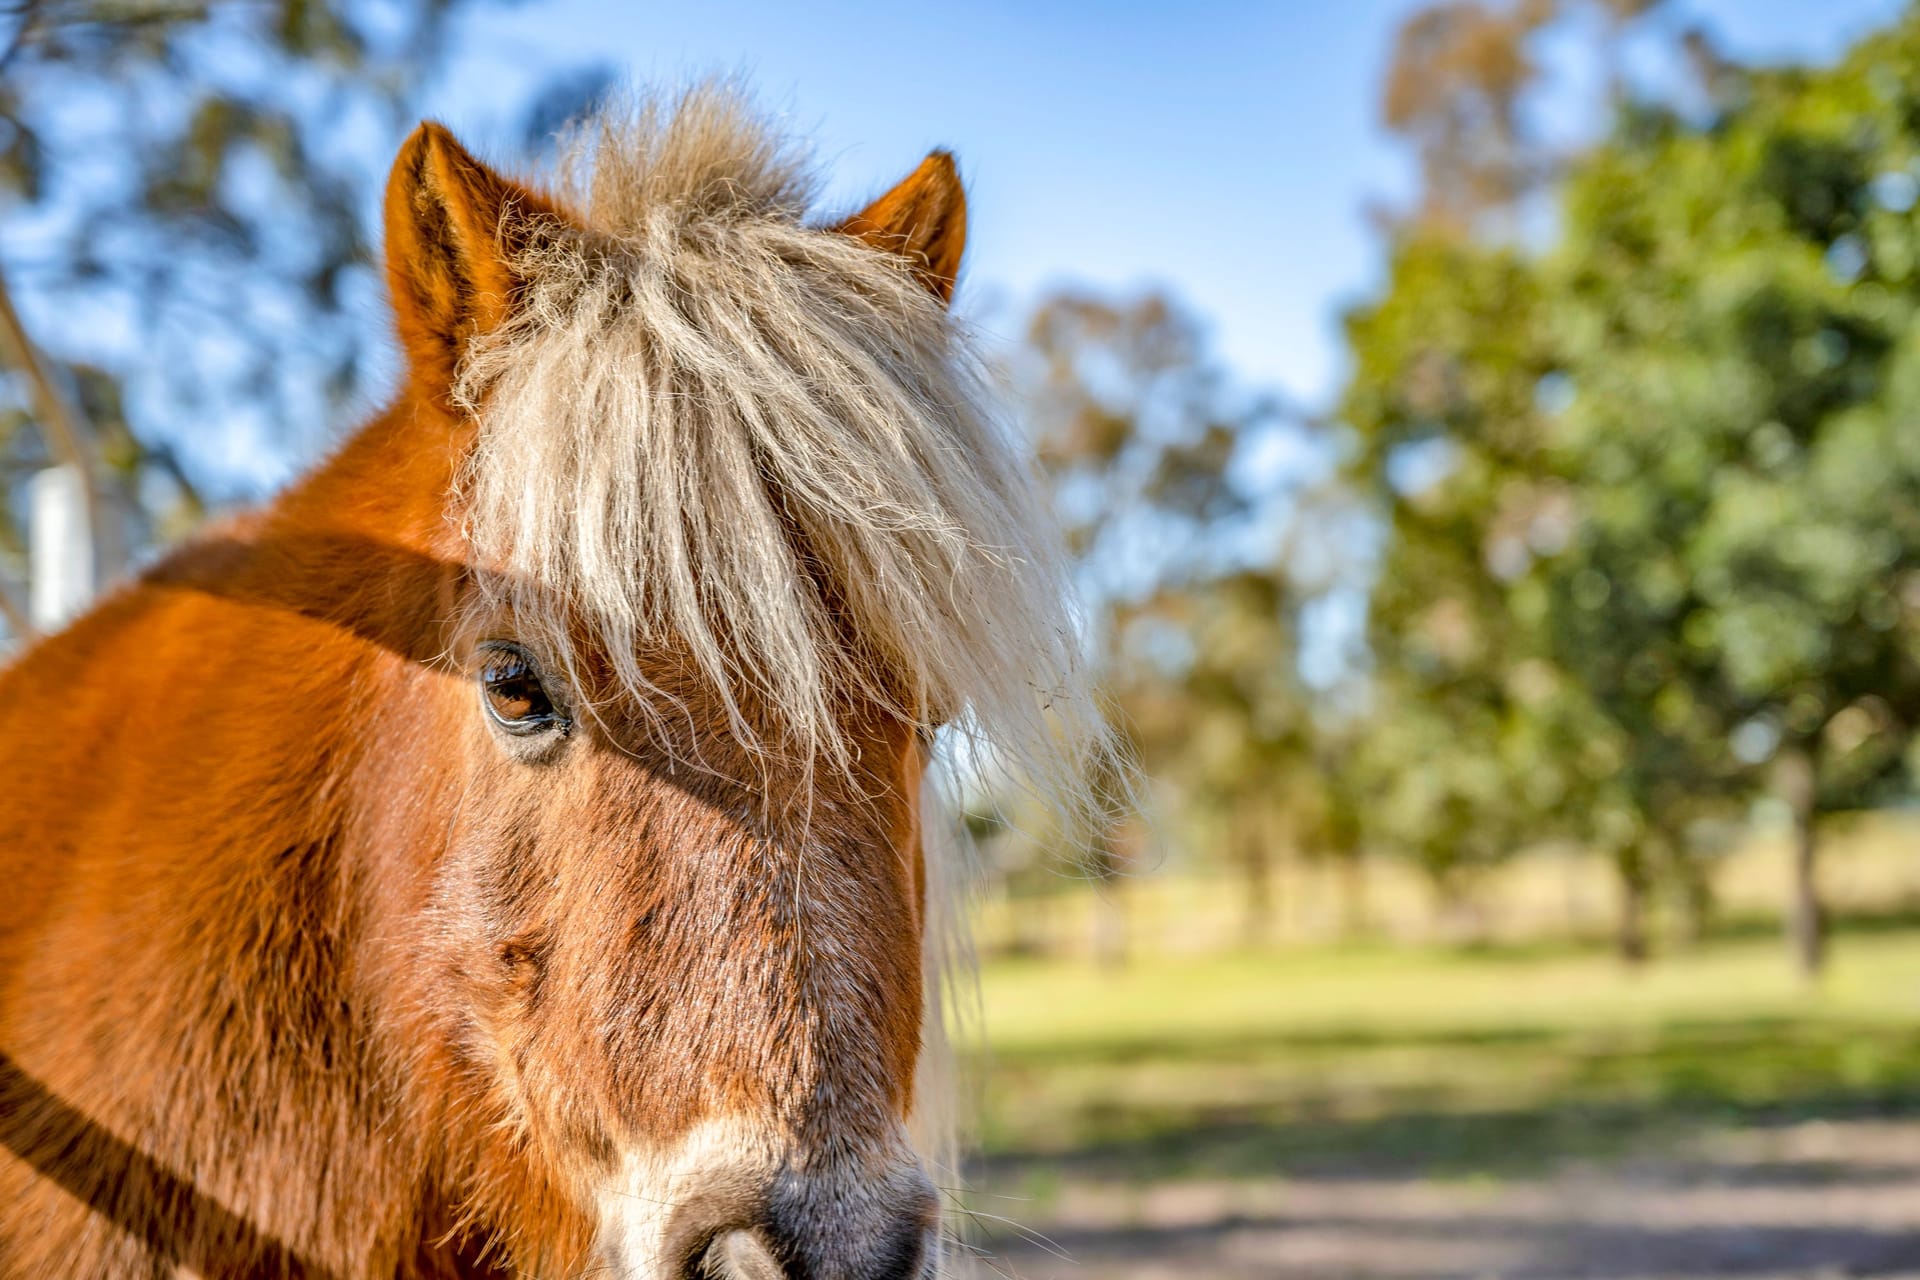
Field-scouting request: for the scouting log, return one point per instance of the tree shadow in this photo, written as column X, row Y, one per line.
column 1573, row 1094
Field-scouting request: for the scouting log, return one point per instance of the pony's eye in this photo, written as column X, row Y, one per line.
column 514, row 696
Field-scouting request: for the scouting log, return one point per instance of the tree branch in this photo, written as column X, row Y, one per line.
column 66, row 434
column 60, row 424
column 14, row 610
column 29, row 12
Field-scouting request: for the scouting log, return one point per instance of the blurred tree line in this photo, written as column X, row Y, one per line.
column 1635, row 425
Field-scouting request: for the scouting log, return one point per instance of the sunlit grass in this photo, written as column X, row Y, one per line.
column 1038, row 1006
column 1431, row 1061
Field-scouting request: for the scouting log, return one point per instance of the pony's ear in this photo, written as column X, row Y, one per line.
column 924, row 220
column 453, row 227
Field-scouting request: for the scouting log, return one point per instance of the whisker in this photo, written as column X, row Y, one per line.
column 1032, row 1236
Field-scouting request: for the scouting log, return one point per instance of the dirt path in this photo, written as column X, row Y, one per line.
column 1803, row 1200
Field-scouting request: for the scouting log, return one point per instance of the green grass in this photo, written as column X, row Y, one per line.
column 1428, row 1062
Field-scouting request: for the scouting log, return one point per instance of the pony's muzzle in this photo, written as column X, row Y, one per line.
column 796, row 1230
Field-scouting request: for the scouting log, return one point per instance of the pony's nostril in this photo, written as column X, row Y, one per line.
column 745, row 1255
column 710, row 1235
column 804, row 1228
column 898, row 1246
column 739, row 1255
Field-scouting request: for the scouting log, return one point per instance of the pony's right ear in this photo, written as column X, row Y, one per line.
column 453, row 227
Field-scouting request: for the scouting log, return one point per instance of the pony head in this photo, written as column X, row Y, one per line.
column 739, row 535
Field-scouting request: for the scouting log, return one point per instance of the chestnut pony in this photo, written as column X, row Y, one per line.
column 502, row 854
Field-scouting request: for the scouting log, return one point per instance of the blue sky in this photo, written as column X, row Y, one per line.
column 1224, row 150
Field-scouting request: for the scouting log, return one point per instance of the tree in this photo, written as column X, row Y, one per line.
column 1454, row 90
column 1207, row 675
column 1138, row 433
column 1488, row 731
column 183, row 191
column 1660, row 475
column 1478, row 742
column 1740, row 382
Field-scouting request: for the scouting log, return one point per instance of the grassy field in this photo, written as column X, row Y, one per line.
column 1173, row 1113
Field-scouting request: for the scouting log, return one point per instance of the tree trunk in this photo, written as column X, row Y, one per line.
column 1572, row 864
column 1256, row 870
column 1630, row 929
column 1696, row 900
column 1806, row 921
column 1462, row 921
column 1109, row 909
column 1356, row 914
column 1110, row 928
column 68, row 440
column 1027, row 923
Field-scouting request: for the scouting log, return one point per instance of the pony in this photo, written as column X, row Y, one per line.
column 505, row 853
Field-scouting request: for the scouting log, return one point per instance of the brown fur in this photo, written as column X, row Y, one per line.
column 302, row 974
column 924, row 220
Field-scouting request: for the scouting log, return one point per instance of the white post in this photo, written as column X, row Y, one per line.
column 59, row 547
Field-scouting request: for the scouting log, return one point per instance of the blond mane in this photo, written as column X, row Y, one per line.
column 717, row 426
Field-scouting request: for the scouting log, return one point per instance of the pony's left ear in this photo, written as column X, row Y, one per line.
column 924, row 220
column 453, row 227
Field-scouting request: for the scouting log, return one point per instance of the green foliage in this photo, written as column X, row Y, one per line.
column 1478, row 742
column 1737, row 341
column 1653, row 492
